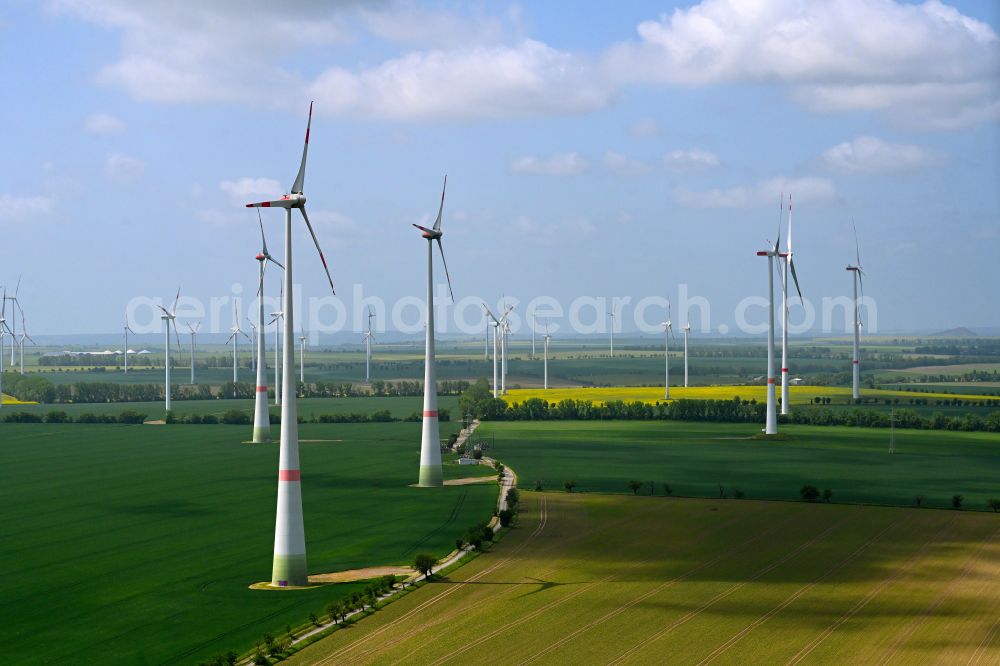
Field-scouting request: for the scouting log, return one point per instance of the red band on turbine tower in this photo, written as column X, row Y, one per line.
column 289, row 475
column 770, row 380
column 784, row 369
column 261, row 389
column 429, row 413
column 855, row 362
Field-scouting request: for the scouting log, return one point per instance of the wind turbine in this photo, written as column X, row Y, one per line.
column 771, row 424
column 545, row 356
column 858, row 272
column 253, row 343
column 787, row 265
column 612, row 315
column 261, row 415
column 369, row 337
column 289, row 564
column 169, row 318
column 531, row 319
column 235, row 333
column 127, row 331
column 668, row 332
column 505, row 348
column 24, row 336
column 430, row 442
column 496, row 329
column 302, row 357
column 3, row 327
column 276, row 318
column 193, row 331
column 15, row 306
column 687, row 332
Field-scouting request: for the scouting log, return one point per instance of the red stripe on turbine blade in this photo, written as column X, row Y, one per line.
column 261, row 389
column 762, row 254
column 289, row 475
column 266, row 204
column 430, row 413
column 307, row 135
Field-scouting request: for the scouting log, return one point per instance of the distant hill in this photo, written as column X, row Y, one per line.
column 960, row 332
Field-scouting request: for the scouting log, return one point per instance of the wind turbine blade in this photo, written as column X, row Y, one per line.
column 795, row 278
column 177, row 338
column 441, row 248
column 173, row 310
column 857, row 246
column 300, row 178
column 315, row 240
column 437, row 223
column 164, row 310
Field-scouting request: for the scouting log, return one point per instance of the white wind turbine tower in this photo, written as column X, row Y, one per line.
column 505, row 350
column 612, row 315
column 276, row 319
column 858, row 272
column 169, row 318
column 496, row 342
column 486, row 339
column 289, row 564
column 127, row 331
column 771, row 424
column 4, row 329
column 253, row 343
column 261, row 415
column 368, row 339
column 24, row 336
column 302, row 357
column 192, row 331
column 687, row 332
column 15, row 306
column 545, row 357
column 531, row 320
column 235, row 333
column 668, row 332
column 430, row 437
column 787, row 265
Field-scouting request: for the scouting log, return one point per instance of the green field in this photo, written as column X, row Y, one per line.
column 136, row 544
column 695, row 458
column 612, row 579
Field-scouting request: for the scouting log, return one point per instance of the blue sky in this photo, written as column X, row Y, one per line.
column 597, row 151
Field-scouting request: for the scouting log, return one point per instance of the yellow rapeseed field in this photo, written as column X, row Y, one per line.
column 11, row 400
column 653, row 394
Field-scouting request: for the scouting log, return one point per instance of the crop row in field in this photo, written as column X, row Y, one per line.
column 620, row 580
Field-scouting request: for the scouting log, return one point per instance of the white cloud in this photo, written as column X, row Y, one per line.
column 123, row 167
column 21, row 209
column 645, row 129
column 764, row 193
column 925, row 65
column 249, row 190
column 867, row 154
column 523, row 80
column 407, row 24
column 560, row 164
column 688, row 160
column 624, row 166
column 103, row 123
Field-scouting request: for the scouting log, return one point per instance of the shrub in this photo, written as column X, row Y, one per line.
column 738, row 493
column 956, row 501
column 236, row 417
column 827, row 495
column 994, row 504
column 512, row 498
column 131, row 416
column 57, row 416
column 809, row 493
column 569, row 485
column 538, row 484
column 634, row 486
column 506, row 516
column 668, row 489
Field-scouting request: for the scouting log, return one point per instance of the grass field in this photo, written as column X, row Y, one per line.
column 652, row 394
column 136, row 544
column 695, row 458
column 586, row 579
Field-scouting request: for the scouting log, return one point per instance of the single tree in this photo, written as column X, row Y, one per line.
column 956, row 501
column 668, row 489
column 458, row 544
column 722, row 491
column 809, row 493
column 505, row 517
column 652, row 487
column 738, row 493
column 512, row 497
column 994, row 504
column 538, row 484
column 635, row 485
column 424, row 563
column 569, row 485
column 919, row 499
column 827, row 495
